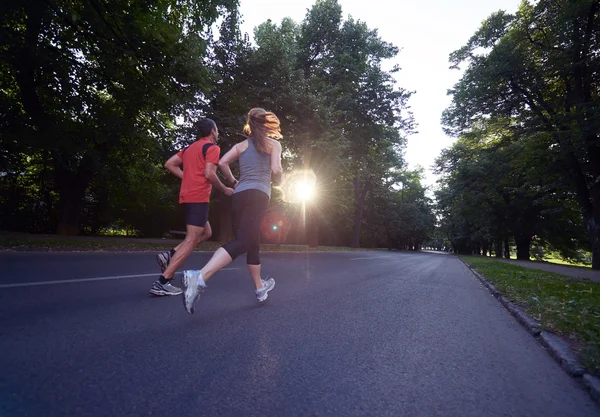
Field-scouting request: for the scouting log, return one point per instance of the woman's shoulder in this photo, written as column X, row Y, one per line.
column 242, row 146
column 273, row 143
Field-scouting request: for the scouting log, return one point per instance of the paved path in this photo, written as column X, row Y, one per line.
column 342, row 334
column 572, row 271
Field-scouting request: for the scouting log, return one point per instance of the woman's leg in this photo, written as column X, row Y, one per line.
column 255, row 274
column 219, row 260
column 258, row 210
column 222, row 257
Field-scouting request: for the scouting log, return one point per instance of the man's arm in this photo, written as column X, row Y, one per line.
column 173, row 164
column 210, row 172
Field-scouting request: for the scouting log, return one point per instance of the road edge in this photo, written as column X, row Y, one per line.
column 552, row 343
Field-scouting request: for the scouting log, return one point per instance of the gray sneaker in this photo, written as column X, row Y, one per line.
column 163, row 260
column 263, row 293
column 194, row 286
column 164, row 289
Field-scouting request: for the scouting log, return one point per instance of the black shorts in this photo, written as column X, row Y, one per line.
column 196, row 214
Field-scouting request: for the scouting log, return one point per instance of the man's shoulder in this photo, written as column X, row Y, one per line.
column 202, row 144
column 205, row 141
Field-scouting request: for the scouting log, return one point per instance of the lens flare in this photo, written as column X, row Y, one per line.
column 304, row 191
column 299, row 186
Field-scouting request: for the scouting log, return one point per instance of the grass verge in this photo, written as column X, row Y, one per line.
column 558, row 302
column 84, row 244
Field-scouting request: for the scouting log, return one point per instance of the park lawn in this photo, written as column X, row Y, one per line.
column 562, row 304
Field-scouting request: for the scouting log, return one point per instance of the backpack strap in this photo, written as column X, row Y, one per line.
column 205, row 149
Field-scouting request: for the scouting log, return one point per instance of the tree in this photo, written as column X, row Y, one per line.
column 90, row 81
column 540, row 69
column 342, row 60
column 497, row 188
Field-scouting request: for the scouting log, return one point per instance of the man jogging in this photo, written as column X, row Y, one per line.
column 199, row 174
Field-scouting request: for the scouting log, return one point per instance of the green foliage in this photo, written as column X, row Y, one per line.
column 498, row 187
column 536, row 73
column 91, row 90
column 93, row 87
column 341, row 114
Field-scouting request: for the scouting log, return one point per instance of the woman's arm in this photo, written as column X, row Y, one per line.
column 229, row 158
column 276, row 162
column 276, row 159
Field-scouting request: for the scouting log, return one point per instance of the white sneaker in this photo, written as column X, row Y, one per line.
column 194, row 286
column 263, row 293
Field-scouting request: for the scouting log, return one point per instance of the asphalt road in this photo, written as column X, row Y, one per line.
column 342, row 334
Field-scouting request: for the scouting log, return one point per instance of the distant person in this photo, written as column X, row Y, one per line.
column 199, row 174
column 259, row 156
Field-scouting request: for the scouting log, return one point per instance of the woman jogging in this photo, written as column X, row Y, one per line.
column 259, row 156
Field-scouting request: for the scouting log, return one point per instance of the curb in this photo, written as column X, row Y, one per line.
column 558, row 349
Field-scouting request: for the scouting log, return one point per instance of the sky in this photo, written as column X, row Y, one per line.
column 426, row 31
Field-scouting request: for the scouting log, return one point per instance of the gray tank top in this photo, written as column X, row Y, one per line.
column 255, row 170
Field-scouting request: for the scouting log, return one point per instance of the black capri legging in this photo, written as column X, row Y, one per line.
column 249, row 207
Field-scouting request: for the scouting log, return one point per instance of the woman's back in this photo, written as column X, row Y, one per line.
column 255, row 170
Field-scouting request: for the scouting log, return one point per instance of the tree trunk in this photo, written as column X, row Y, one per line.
column 71, row 187
column 360, row 194
column 70, row 205
column 592, row 222
column 523, row 246
column 358, row 210
column 506, row 249
column 593, row 228
column 225, row 220
column 313, row 227
column 485, row 247
column 589, row 203
column 498, row 248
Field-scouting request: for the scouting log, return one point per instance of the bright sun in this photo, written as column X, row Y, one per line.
column 304, row 191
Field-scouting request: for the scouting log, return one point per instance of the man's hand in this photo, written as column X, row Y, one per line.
column 228, row 191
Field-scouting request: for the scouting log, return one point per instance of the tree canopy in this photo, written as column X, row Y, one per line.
column 526, row 110
column 96, row 95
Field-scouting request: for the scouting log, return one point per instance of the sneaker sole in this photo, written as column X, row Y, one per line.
column 157, row 292
column 264, row 297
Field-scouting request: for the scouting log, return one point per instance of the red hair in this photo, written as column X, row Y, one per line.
column 260, row 125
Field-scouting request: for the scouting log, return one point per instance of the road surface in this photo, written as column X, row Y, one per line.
column 342, row 334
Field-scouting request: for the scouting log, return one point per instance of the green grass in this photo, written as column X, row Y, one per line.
column 10, row 242
column 558, row 302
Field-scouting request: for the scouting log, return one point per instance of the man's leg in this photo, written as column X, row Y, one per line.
column 198, row 229
column 194, row 236
column 164, row 258
column 163, row 286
